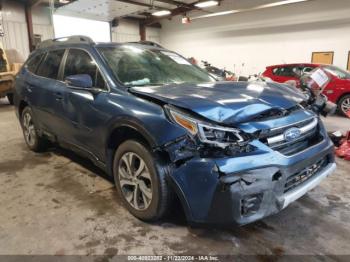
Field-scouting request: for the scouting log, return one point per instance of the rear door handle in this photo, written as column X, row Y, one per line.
column 58, row 96
column 29, row 88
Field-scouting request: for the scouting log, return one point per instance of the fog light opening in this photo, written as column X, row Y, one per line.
column 276, row 176
column 250, row 205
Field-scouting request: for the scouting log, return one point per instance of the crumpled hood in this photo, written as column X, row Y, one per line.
column 225, row 102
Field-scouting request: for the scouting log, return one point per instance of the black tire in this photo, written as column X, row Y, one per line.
column 10, row 98
column 161, row 195
column 35, row 143
column 343, row 102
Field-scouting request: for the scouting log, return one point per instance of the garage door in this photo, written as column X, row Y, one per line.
column 322, row 58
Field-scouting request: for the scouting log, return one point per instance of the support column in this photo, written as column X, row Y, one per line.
column 142, row 28
column 28, row 13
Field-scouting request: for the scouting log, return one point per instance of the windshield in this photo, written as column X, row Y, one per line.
column 340, row 73
column 134, row 66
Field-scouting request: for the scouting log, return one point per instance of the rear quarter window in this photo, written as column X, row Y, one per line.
column 34, row 62
column 50, row 66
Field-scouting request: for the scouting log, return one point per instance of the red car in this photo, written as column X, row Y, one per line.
column 337, row 91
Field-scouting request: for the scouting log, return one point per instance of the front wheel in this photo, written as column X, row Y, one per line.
column 344, row 105
column 33, row 140
column 140, row 181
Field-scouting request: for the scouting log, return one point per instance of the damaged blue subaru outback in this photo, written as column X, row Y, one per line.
column 164, row 129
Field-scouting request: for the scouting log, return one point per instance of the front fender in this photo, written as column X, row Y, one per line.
column 143, row 116
column 133, row 123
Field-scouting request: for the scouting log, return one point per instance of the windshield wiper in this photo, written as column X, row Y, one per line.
column 156, row 84
column 150, row 84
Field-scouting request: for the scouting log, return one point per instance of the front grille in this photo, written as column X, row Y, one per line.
column 307, row 139
column 280, row 130
column 288, row 149
column 297, row 179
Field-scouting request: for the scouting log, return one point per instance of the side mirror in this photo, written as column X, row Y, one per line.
column 80, row 81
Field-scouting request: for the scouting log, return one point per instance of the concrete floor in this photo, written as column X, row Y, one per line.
column 53, row 203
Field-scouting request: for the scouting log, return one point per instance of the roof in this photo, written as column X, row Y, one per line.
column 295, row 64
column 77, row 39
column 85, row 40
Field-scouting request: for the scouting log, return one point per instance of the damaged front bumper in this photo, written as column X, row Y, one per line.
column 243, row 189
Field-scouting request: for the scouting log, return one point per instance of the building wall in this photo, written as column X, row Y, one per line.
column 247, row 42
column 153, row 34
column 15, row 39
column 128, row 31
column 42, row 22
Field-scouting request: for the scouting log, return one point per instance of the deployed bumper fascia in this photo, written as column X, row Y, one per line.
column 212, row 190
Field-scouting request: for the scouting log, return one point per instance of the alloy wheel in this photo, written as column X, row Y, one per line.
column 29, row 129
column 345, row 106
column 135, row 181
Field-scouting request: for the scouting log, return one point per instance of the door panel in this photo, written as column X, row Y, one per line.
column 84, row 119
column 81, row 117
column 44, row 86
column 322, row 58
column 40, row 94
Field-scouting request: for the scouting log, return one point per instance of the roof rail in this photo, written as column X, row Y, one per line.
column 150, row 43
column 76, row 39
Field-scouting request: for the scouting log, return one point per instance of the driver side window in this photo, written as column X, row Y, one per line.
column 80, row 62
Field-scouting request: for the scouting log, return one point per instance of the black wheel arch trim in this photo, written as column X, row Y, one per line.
column 133, row 123
column 120, row 122
column 28, row 104
column 181, row 196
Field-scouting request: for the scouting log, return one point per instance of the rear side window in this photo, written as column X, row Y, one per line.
column 288, row 71
column 33, row 63
column 307, row 69
column 50, row 66
column 80, row 62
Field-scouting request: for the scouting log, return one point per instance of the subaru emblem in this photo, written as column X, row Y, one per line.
column 292, row 134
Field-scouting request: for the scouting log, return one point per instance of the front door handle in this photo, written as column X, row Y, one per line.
column 58, row 96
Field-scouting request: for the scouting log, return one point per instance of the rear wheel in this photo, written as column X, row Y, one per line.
column 10, row 98
column 344, row 105
column 140, row 181
column 33, row 140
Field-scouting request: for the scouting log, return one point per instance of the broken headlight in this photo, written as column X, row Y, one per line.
column 207, row 133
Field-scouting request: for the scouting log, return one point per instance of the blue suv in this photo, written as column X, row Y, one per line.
column 231, row 152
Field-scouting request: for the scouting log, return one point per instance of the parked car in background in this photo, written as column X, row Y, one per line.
column 337, row 91
column 232, row 152
column 287, row 72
